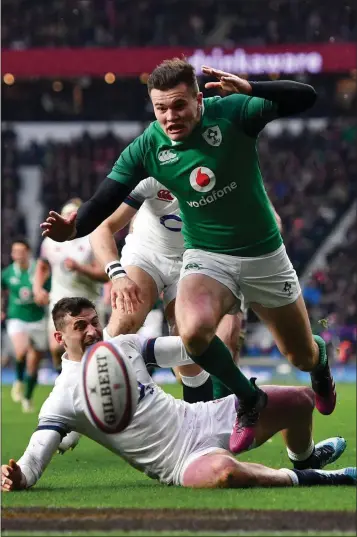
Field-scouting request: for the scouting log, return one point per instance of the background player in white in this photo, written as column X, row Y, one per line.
column 74, row 271
column 152, row 258
column 169, row 439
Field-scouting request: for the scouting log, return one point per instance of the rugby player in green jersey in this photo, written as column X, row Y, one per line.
column 204, row 151
column 25, row 322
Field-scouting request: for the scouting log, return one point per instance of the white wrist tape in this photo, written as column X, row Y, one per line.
column 114, row 270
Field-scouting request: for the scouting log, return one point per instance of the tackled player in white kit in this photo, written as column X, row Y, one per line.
column 170, row 440
column 152, row 258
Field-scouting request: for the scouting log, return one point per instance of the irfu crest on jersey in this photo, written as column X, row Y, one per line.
column 213, row 136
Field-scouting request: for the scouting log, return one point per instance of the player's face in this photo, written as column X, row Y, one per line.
column 81, row 331
column 178, row 110
column 20, row 253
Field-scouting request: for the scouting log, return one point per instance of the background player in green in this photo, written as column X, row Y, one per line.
column 25, row 322
column 204, row 151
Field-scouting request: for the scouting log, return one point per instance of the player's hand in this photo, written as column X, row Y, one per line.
column 227, row 81
column 70, row 264
column 11, row 477
column 58, row 228
column 41, row 297
column 126, row 295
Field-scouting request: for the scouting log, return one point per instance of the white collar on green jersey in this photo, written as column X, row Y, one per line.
column 30, row 270
column 174, row 142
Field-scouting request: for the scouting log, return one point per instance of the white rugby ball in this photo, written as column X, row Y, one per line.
column 109, row 387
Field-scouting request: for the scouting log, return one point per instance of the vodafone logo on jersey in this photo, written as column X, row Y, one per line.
column 165, row 195
column 202, row 179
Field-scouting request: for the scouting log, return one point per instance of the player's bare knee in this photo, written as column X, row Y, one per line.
column 232, row 474
column 196, row 337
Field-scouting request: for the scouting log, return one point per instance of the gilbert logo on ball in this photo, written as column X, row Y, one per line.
column 202, row 179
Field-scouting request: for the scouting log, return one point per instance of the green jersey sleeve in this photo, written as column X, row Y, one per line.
column 129, row 169
column 250, row 113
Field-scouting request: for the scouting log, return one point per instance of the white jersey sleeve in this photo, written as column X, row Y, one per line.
column 167, row 351
column 146, row 189
column 42, row 446
column 56, row 419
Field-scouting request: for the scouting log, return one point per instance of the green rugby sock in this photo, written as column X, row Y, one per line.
column 31, row 381
column 20, row 367
column 219, row 389
column 217, row 360
column 322, row 353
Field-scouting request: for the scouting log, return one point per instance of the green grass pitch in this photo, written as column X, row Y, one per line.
column 91, row 476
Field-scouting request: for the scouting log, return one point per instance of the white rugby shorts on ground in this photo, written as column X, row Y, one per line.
column 212, row 431
column 36, row 331
column 269, row 280
column 164, row 270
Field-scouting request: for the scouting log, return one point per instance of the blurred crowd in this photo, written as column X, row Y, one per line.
column 113, row 23
column 310, row 178
column 12, row 221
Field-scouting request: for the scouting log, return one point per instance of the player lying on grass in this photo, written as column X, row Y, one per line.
column 168, row 439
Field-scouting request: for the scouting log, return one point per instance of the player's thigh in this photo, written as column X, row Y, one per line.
column 19, row 337
column 201, row 302
column 209, row 470
column 229, row 329
column 286, row 405
column 289, row 326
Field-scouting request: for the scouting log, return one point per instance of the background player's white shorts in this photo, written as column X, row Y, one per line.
column 269, row 280
column 212, row 431
column 164, row 270
column 36, row 331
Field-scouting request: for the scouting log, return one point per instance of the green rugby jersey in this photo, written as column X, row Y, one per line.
column 215, row 175
column 21, row 303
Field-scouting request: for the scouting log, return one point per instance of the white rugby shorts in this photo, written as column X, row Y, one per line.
column 164, row 269
column 212, row 431
column 269, row 280
column 36, row 331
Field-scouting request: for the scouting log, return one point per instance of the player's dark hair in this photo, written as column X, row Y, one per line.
column 171, row 73
column 69, row 306
column 21, row 240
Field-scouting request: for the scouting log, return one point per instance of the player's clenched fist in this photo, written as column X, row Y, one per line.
column 126, row 295
column 227, row 81
column 11, row 477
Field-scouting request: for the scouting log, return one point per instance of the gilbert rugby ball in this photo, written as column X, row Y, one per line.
column 109, row 388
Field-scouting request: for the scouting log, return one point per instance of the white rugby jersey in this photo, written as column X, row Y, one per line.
column 160, row 434
column 157, row 223
column 65, row 282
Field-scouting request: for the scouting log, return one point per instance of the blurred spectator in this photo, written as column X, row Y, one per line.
column 12, row 221
column 107, row 23
column 335, row 287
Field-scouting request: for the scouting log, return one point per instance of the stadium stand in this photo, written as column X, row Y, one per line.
column 12, row 220
column 108, row 23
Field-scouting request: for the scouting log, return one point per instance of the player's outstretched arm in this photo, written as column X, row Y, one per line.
column 29, row 468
